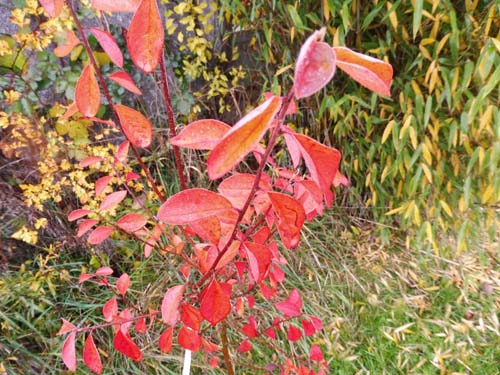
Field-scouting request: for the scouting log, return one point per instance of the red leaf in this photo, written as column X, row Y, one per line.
column 316, row 354
column 68, row 352
column 165, row 340
column 259, row 259
column 340, row 179
column 52, row 7
column 245, row 346
column 292, row 306
column 315, row 65
column 242, row 138
column 294, row 333
column 116, row 5
column 170, row 304
column 201, row 134
column 124, row 344
column 189, row 339
column 125, row 81
column 108, row 44
column 291, row 216
column 237, row 188
column 110, row 309
column 318, row 324
column 91, row 356
column 309, row 329
column 99, row 234
column 215, row 303
column 112, row 200
column 250, row 329
column 145, row 36
column 101, row 184
column 71, row 42
column 65, row 328
column 136, row 127
column 104, row 271
column 374, row 74
column 322, row 162
column 85, row 226
column 191, row 317
column 309, row 194
column 90, row 161
column 77, row 214
column 192, row 205
column 123, row 283
column 140, row 325
column 87, row 94
column 84, row 277
column 214, row 362
column 131, row 222
column 271, row 333
column 122, row 152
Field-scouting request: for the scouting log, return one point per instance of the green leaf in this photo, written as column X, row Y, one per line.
column 417, row 16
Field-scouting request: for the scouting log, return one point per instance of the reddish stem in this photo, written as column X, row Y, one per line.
column 171, row 122
column 107, row 95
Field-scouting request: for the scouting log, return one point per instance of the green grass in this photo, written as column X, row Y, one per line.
column 386, row 309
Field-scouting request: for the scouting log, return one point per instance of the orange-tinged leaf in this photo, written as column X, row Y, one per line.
column 52, row 7
column 71, row 42
column 125, row 81
column 191, row 317
column 66, row 327
column 123, row 283
column 108, row 44
column 87, row 94
column 242, row 138
column 315, row 65
column 68, row 352
column 371, row 73
column 322, row 162
column 215, row 304
column 112, row 200
column 192, row 205
column 165, row 340
column 77, row 214
column 116, row 5
column 99, row 234
column 91, row 160
column 85, row 226
column 136, row 127
column 122, row 152
column 229, row 255
column 237, row 188
column 291, row 217
column 170, row 304
column 131, row 222
column 208, row 229
column 201, row 134
column 189, row 339
column 145, row 36
column 91, row 356
column 124, row 344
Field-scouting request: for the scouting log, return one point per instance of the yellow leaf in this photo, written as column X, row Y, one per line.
column 446, row 208
column 413, row 137
column 427, row 172
column 395, row 210
column 387, row 131
column 487, row 194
